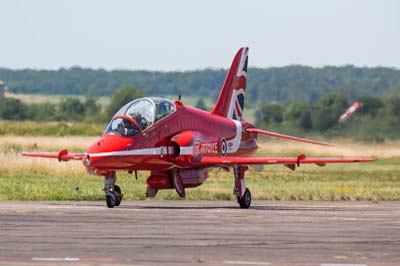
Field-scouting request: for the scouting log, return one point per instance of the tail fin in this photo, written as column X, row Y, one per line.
column 230, row 102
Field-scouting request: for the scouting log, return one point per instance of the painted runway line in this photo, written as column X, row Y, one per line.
column 55, row 259
column 342, row 264
column 238, row 262
column 65, row 259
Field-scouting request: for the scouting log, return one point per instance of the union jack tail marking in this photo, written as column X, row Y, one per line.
column 230, row 102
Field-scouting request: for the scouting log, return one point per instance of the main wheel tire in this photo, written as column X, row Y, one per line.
column 245, row 201
column 118, row 195
column 110, row 199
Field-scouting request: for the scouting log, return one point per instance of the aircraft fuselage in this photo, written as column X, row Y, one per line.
column 175, row 141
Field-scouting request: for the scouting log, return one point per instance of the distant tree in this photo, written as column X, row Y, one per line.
column 91, row 106
column 72, row 109
column 328, row 110
column 121, row 97
column 305, row 120
column 93, row 112
column 92, row 93
column 43, row 112
column 277, row 84
column 201, row 105
column 299, row 114
column 394, row 106
column 370, row 105
column 269, row 113
column 13, row 109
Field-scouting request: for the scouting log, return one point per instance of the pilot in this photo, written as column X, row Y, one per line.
column 141, row 120
column 129, row 128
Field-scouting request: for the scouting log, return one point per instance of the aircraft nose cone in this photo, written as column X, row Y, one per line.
column 102, row 151
column 111, row 143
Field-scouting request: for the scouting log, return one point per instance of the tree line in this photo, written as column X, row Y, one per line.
column 294, row 99
column 70, row 109
column 377, row 119
column 275, row 84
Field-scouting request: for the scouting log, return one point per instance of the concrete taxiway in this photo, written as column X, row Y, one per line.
column 200, row 233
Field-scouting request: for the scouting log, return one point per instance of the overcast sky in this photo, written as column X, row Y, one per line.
column 187, row 35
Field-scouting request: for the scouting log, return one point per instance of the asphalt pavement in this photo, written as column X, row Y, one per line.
column 155, row 232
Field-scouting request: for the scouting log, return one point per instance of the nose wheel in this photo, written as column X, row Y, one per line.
column 114, row 198
column 113, row 192
column 110, row 200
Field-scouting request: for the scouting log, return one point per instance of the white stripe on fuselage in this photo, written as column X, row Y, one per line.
column 151, row 151
column 186, row 150
column 233, row 146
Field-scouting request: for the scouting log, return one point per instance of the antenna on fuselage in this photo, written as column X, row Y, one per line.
column 179, row 97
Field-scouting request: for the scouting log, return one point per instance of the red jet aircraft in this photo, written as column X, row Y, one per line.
column 178, row 144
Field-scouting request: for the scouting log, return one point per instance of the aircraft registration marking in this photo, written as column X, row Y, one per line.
column 205, row 148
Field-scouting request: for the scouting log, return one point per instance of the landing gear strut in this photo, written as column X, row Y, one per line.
column 242, row 193
column 112, row 191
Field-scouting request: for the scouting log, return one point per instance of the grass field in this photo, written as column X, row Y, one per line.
column 31, row 128
column 54, row 98
column 25, row 178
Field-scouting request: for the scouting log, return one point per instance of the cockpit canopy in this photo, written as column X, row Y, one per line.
column 144, row 111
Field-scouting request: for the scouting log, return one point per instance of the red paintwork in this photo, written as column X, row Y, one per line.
column 159, row 180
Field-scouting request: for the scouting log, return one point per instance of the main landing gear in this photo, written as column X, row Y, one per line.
column 114, row 195
column 242, row 193
column 113, row 192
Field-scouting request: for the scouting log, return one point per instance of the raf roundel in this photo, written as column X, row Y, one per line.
column 223, row 147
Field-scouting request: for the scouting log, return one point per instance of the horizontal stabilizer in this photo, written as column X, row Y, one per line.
column 282, row 136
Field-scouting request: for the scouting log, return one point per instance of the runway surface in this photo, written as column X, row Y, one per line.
column 200, row 233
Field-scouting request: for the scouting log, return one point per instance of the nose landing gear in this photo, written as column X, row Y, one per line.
column 112, row 191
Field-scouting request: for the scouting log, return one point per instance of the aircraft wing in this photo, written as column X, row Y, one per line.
column 62, row 155
column 290, row 162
